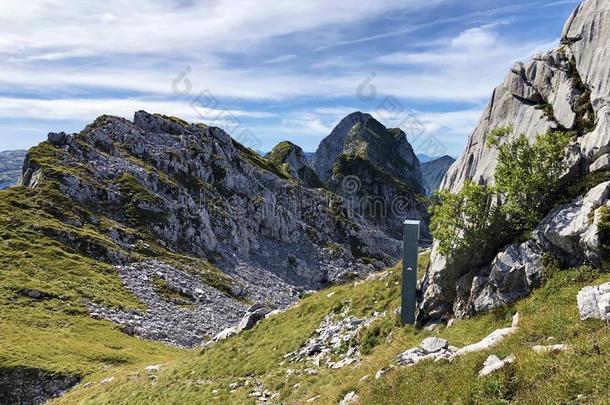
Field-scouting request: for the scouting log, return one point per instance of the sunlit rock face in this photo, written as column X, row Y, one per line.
column 566, row 89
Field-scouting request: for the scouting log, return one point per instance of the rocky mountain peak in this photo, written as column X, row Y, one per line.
column 333, row 145
column 292, row 156
column 360, row 135
column 375, row 170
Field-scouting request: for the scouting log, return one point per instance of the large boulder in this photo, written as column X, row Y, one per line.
column 571, row 231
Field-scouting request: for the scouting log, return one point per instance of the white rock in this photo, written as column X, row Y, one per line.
column 153, row 369
column 381, row 373
column 434, row 344
column 411, row 356
column 491, row 340
column 594, row 302
column 349, row 398
column 493, row 363
column 107, row 380
column 550, row 348
column 602, row 163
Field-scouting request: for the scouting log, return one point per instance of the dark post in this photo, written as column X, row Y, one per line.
column 409, row 272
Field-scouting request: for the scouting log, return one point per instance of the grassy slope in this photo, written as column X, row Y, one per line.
column 55, row 333
column 581, row 375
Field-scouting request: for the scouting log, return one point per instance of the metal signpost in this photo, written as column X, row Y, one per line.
column 409, row 271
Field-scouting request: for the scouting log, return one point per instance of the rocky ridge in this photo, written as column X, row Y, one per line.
column 182, row 188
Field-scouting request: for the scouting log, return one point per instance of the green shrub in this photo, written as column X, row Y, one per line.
column 528, row 176
column 480, row 218
column 465, row 220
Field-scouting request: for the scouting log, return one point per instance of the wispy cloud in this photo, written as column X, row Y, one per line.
column 88, row 109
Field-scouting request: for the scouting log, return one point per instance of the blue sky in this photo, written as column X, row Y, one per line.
column 265, row 70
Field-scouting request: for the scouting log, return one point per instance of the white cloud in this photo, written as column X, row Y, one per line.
column 477, row 38
column 145, row 26
column 88, row 109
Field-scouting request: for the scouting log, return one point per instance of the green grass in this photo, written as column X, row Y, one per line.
column 55, row 333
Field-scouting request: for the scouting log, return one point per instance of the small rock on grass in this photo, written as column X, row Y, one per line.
column 494, row 363
column 550, row 349
column 349, row 398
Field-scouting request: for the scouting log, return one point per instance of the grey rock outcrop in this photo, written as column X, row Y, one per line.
column 22, row 385
column 565, row 89
column 434, row 344
column 571, row 230
column 335, row 336
column 434, row 171
column 252, row 317
column 430, row 349
column 563, row 79
column 594, row 302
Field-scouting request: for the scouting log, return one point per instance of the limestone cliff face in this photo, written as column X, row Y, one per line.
column 567, row 89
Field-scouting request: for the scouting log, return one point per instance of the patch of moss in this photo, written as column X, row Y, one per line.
column 141, row 206
column 168, row 293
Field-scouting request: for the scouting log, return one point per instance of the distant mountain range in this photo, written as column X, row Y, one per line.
column 10, row 167
column 434, row 171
